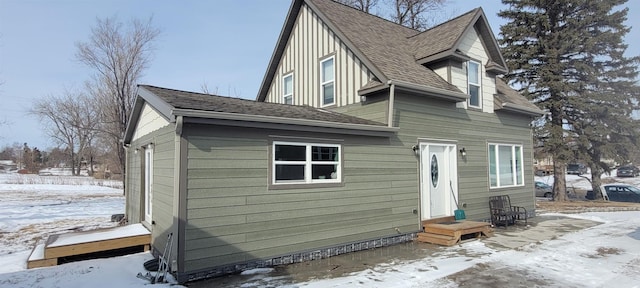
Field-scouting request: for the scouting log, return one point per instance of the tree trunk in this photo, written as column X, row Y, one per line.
column 559, row 181
column 596, row 181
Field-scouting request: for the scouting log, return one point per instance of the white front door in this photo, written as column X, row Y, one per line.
column 438, row 180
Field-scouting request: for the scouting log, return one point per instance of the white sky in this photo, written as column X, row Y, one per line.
column 225, row 44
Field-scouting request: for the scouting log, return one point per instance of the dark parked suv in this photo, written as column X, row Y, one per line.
column 577, row 169
column 628, row 171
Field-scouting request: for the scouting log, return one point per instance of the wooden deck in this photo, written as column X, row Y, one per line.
column 87, row 242
column 447, row 231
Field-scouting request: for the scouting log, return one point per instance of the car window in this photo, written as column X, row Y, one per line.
column 634, row 190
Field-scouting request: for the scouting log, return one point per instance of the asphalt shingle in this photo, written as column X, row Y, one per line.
column 213, row 103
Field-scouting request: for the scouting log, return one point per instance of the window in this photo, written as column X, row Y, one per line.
column 287, row 89
column 327, row 82
column 148, row 183
column 505, row 165
column 306, row 163
column 473, row 79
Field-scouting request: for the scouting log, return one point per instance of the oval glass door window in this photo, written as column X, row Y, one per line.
column 434, row 171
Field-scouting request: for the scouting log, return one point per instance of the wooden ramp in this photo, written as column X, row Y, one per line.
column 447, row 231
column 87, row 242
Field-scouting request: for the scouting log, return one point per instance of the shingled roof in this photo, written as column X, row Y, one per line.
column 394, row 52
column 201, row 108
column 443, row 37
column 508, row 99
column 185, row 100
column 391, row 51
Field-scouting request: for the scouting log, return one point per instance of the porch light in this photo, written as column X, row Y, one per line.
column 416, row 149
column 463, row 152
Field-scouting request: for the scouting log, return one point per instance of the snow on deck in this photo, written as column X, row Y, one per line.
column 37, row 253
column 97, row 235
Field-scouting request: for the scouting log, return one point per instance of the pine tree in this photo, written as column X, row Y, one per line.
column 568, row 58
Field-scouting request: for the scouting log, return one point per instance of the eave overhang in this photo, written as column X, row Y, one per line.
column 271, row 122
column 521, row 109
column 438, row 93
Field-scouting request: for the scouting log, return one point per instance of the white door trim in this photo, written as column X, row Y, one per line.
column 448, row 170
column 148, row 184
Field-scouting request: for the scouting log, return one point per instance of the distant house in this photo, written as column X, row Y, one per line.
column 8, row 165
column 361, row 130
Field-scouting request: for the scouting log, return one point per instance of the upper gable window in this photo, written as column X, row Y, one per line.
column 473, row 79
column 287, row 89
column 327, row 80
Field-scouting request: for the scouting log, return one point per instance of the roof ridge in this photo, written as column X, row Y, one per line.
column 304, row 106
column 374, row 15
column 475, row 10
column 197, row 93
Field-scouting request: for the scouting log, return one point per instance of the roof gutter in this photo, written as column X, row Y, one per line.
column 432, row 91
column 522, row 109
column 280, row 120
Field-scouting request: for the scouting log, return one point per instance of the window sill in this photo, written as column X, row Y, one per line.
column 473, row 108
column 507, row 187
column 304, row 186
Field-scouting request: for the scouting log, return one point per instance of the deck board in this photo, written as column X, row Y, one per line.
column 86, row 242
column 451, row 232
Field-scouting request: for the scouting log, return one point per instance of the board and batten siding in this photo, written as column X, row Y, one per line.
column 233, row 216
column 421, row 117
column 163, row 184
column 471, row 45
column 310, row 42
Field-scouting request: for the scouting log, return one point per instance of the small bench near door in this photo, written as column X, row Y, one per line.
column 503, row 213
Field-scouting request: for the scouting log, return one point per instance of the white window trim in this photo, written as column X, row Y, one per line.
column 323, row 82
column 284, row 96
column 479, row 84
column 148, row 183
column 307, row 164
column 514, row 170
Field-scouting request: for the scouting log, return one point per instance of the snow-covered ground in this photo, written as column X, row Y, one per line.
column 581, row 182
column 605, row 255
column 33, row 207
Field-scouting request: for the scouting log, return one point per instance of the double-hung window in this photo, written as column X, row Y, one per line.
column 327, row 81
column 505, row 165
column 306, row 163
column 287, row 89
column 473, row 84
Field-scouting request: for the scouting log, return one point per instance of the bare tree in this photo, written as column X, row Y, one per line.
column 413, row 13
column 70, row 120
column 416, row 14
column 204, row 87
column 362, row 5
column 118, row 54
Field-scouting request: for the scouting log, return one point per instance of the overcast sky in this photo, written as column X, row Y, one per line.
column 225, row 44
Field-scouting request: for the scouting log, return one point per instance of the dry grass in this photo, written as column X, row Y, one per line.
column 567, row 206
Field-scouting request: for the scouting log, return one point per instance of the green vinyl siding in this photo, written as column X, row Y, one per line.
column 163, row 181
column 133, row 186
column 233, row 216
column 421, row 117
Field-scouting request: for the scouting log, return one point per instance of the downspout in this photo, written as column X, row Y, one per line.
column 177, row 264
column 392, row 98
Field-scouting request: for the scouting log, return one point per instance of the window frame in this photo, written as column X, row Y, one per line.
column 517, row 169
column 478, row 84
column 324, row 82
column 308, row 164
column 284, row 88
